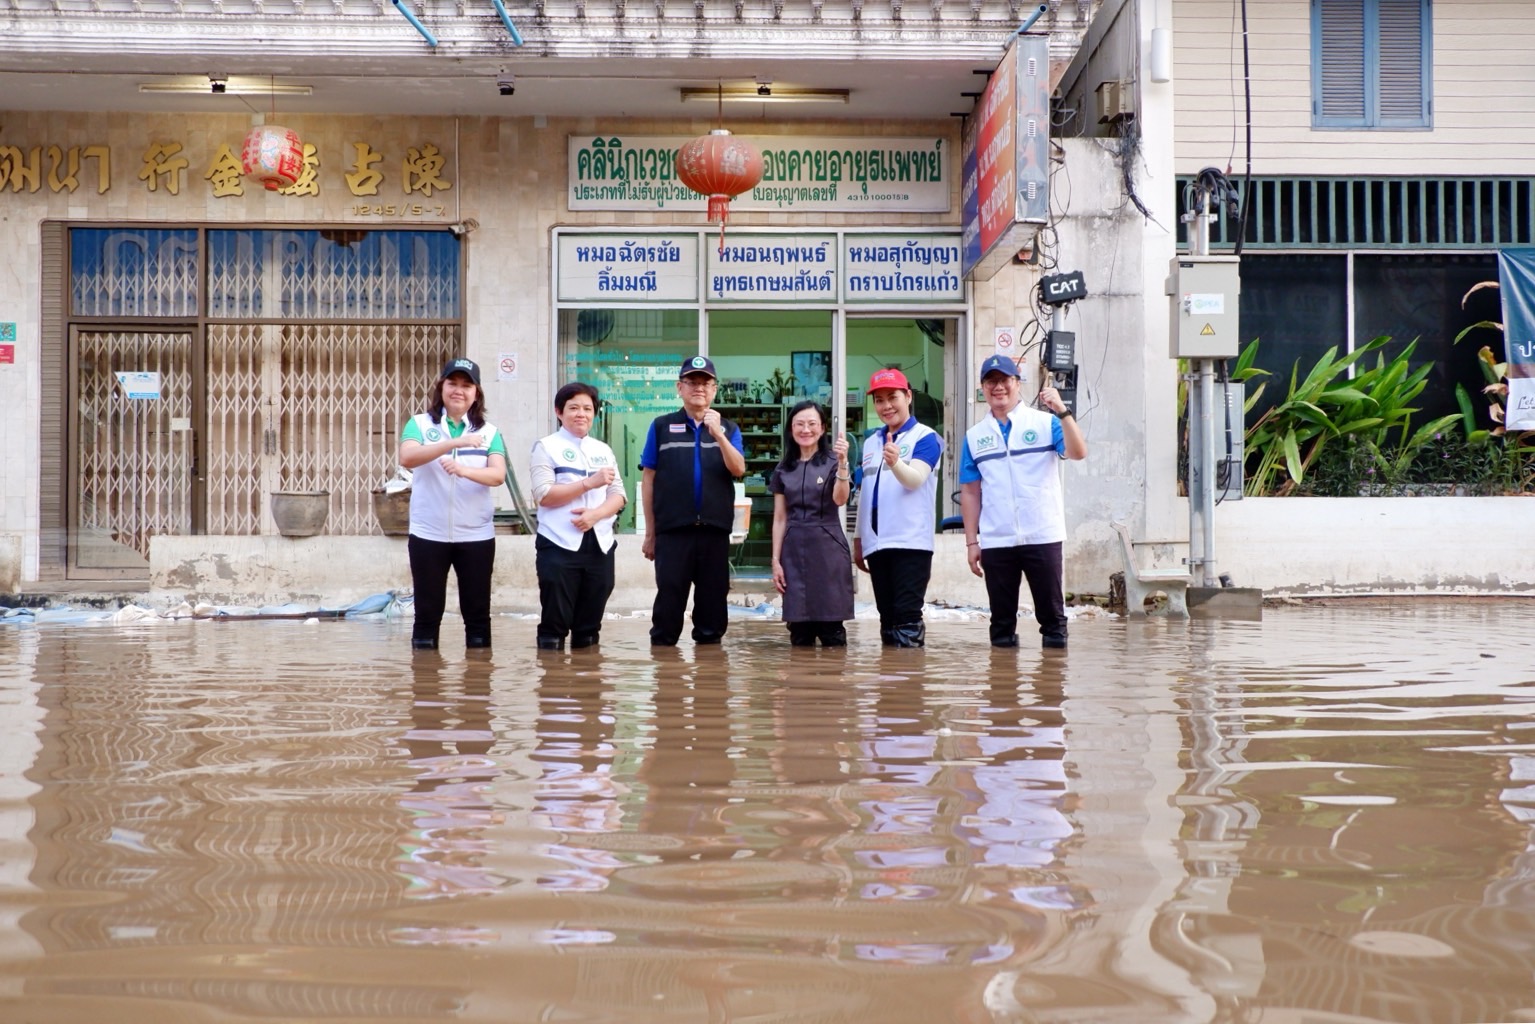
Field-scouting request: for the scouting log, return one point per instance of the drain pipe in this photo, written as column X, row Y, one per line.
column 506, row 20
column 431, row 40
column 1028, row 23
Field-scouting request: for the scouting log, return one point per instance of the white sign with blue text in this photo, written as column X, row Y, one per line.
column 629, row 267
column 811, row 173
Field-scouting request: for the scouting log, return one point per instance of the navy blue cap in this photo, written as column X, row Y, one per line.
column 468, row 367
column 697, row 364
column 999, row 364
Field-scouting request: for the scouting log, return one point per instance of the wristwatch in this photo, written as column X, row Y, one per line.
column 1064, row 413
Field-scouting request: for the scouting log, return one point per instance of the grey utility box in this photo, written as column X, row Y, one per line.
column 1204, row 292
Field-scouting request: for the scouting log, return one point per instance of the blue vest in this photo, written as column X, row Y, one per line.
column 1021, row 497
column 906, row 518
column 672, row 504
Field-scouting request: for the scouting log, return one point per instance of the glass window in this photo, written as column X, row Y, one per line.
column 1418, row 296
column 1296, row 306
column 333, row 273
column 1370, row 62
column 133, row 272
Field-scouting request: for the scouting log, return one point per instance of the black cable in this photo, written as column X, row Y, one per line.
column 1247, row 178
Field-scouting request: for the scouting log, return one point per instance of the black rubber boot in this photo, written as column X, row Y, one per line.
column 477, row 640
column 912, row 634
column 423, row 643
column 578, row 642
column 1055, row 640
column 551, row 643
column 1011, row 640
column 887, row 637
column 834, row 635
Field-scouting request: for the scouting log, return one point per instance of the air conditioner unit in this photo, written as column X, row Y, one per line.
column 1114, row 102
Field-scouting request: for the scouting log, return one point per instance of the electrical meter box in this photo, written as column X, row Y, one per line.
column 1203, row 292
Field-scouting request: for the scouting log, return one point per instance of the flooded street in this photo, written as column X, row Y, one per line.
column 1321, row 817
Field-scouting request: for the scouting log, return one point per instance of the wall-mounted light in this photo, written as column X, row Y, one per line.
column 219, row 85
column 763, row 93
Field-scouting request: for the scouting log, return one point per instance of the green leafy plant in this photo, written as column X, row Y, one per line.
column 1370, row 414
column 1508, row 459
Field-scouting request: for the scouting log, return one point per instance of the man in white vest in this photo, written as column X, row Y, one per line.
column 1012, row 504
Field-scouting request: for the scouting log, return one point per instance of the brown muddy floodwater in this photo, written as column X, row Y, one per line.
column 1321, row 817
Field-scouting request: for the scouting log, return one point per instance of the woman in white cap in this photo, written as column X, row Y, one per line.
column 457, row 460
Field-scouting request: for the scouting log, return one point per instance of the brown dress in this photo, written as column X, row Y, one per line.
column 817, row 562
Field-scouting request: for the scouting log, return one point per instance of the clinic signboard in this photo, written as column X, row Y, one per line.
column 1005, row 159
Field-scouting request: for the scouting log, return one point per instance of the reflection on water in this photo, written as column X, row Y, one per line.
column 1323, row 816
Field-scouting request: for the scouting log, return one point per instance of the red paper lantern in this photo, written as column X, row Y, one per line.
column 273, row 155
column 720, row 166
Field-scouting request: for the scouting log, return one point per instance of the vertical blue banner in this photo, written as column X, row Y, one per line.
column 1516, row 284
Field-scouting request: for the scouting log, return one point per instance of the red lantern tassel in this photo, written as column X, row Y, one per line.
column 719, row 210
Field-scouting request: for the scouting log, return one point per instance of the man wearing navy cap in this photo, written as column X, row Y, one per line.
column 1011, row 501
column 692, row 459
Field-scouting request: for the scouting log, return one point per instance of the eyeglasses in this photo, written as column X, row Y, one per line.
column 997, row 382
column 699, row 382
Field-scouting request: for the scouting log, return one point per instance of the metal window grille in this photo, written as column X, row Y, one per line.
column 1379, row 213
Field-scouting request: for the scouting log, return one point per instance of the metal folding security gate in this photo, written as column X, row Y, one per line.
column 311, row 408
column 133, row 447
column 294, row 358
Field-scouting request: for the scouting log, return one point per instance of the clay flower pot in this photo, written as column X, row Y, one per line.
column 300, row 513
column 392, row 512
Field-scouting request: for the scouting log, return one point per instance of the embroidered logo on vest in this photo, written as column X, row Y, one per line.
column 569, row 455
column 433, row 434
column 1030, row 436
column 986, row 442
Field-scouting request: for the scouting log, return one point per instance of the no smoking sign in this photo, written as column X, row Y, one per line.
column 506, row 366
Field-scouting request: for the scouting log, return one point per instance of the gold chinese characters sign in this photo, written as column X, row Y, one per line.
column 166, row 165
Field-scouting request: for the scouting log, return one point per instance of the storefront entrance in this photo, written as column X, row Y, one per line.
column 768, row 360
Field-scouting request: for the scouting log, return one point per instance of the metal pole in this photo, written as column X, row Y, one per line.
column 1202, row 431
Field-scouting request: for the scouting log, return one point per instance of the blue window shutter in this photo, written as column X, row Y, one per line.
column 1338, row 54
column 1402, row 60
column 1370, row 63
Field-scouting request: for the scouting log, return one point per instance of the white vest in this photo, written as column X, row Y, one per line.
column 1021, row 497
column 906, row 518
column 575, row 458
column 449, row 508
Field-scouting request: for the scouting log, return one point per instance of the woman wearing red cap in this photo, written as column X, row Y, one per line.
column 894, row 544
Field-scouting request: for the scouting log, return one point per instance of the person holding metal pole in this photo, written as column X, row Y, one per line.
column 1012, row 504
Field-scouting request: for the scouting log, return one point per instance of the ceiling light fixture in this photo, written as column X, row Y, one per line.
column 232, row 87
column 755, row 94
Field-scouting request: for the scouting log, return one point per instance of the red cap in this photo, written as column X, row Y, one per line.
column 889, row 377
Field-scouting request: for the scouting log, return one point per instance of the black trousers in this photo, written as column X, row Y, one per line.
column 695, row 558
column 1006, row 568
column 573, row 588
column 899, row 577
column 805, row 634
column 471, row 562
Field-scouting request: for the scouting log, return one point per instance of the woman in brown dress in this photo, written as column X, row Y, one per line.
column 812, row 565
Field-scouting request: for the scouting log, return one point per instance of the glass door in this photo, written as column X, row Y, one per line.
column 631, row 357
column 768, row 360
column 926, row 350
